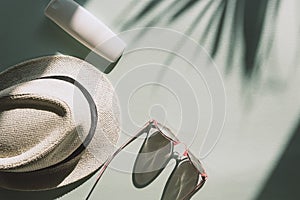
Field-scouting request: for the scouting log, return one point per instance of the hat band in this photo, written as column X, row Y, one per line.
column 94, row 118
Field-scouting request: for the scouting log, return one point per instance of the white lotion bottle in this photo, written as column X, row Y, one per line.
column 86, row 28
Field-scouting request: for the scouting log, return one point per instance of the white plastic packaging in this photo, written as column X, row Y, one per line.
column 86, row 28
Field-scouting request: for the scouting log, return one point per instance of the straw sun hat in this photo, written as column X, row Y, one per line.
column 59, row 121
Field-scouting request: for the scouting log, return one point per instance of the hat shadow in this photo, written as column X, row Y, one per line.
column 48, row 179
column 37, row 195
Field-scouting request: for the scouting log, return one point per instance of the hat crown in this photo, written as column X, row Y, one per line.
column 37, row 127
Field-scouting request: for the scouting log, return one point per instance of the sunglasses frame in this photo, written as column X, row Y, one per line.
column 186, row 155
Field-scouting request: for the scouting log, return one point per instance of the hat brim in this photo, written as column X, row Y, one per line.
column 105, row 137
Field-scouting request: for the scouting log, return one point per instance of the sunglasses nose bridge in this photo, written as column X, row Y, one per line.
column 179, row 150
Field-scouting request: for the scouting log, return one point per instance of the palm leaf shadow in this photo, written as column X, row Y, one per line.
column 249, row 18
column 184, row 8
column 254, row 19
column 142, row 13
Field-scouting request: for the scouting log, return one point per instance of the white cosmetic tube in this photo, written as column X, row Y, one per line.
column 86, row 28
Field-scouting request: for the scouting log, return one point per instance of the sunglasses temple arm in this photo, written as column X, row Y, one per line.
column 108, row 161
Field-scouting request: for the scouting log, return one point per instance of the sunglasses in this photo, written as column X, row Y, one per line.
column 159, row 147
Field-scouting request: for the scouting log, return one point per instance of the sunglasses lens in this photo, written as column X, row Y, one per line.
column 154, row 155
column 182, row 181
column 196, row 163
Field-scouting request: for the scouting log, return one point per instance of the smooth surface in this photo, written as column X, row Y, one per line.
column 258, row 139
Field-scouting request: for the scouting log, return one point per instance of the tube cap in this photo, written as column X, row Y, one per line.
column 86, row 28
